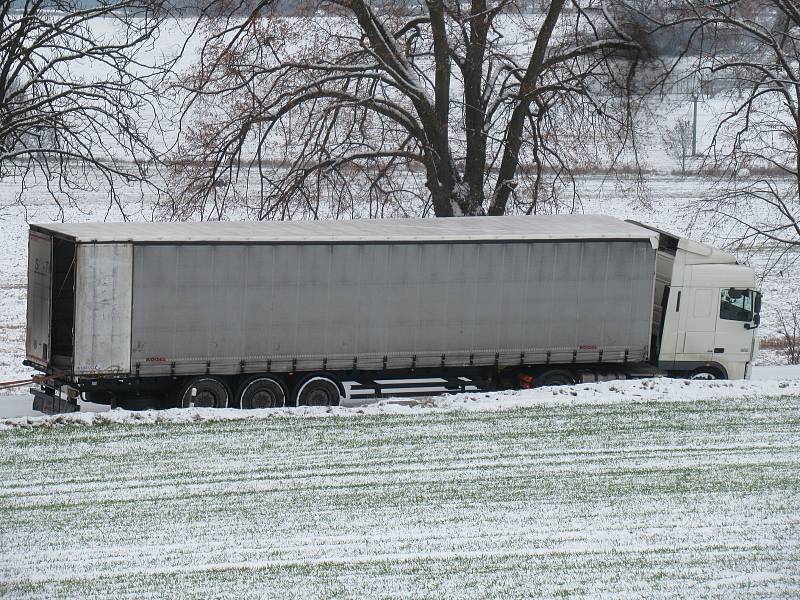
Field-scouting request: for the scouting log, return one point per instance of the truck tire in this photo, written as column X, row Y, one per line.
column 261, row 392
column 554, row 377
column 317, row 390
column 705, row 374
column 209, row 392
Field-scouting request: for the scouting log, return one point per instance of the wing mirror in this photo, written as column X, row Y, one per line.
column 756, row 322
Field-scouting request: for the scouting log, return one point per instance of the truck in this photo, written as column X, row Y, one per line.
column 272, row 314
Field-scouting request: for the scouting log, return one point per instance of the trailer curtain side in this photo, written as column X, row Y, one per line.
column 285, row 307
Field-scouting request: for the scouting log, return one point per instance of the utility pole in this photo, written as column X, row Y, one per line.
column 694, row 124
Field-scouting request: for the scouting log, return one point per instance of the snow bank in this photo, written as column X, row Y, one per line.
column 776, row 372
column 613, row 392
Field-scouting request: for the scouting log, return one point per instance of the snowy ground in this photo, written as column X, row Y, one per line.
column 629, row 489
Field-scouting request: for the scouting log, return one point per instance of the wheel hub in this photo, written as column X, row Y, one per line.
column 263, row 399
column 319, row 397
column 704, row 376
column 205, row 399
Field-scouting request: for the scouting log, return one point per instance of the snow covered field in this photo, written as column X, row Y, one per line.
column 628, row 489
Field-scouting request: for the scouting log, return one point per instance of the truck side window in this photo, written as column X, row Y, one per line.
column 736, row 305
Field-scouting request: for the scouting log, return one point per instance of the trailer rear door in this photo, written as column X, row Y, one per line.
column 40, row 278
column 103, row 309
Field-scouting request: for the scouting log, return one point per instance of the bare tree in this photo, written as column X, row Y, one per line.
column 748, row 52
column 76, row 99
column 449, row 107
column 789, row 329
column 678, row 142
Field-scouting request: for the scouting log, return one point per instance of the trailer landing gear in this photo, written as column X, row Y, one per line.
column 45, row 400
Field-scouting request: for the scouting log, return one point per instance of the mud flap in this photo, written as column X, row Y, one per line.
column 50, row 404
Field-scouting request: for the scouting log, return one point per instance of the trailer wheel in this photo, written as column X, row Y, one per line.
column 317, row 391
column 206, row 392
column 261, row 392
column 554, row 377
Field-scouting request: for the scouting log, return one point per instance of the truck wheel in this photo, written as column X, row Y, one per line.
column 261, row 392
column 317, row 391
column 705, row 374
column 554, row 377
column 206, row 392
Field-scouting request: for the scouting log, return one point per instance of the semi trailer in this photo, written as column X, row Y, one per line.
column 254, row 314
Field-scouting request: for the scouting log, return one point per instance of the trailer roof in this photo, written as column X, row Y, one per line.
column 522, row 228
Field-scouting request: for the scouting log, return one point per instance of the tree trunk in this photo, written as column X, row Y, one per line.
column 474, row 109
column 513, row 137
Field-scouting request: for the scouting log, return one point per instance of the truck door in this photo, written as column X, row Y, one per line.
column 40, row 274
column 699, row 321
column 734, row 335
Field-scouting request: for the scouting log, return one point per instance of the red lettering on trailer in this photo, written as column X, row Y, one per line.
column 587, row 347
column 156, row 359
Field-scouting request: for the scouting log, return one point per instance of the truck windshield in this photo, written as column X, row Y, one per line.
column 736, row 305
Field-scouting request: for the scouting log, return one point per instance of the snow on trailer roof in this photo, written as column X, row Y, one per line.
column 522, row 228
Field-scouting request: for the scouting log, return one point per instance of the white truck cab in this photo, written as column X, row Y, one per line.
column 706, row 311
